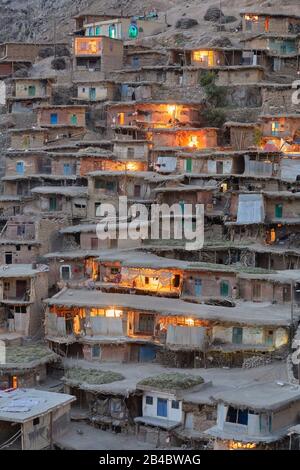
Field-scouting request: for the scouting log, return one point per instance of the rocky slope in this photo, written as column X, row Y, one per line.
column 44, row 19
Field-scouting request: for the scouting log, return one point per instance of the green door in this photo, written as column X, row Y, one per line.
column 188, row 164
column 237, row 335
column 92, row 94
column 74, row 120
column 31, row 90
column 52, row 203
column 224, row 289
column 278, row 210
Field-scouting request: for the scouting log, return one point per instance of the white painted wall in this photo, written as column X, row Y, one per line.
column 151, row 410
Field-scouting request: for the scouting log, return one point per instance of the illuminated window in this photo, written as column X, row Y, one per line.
column 193, row 141
column 112, row 31
column 14, row 381
column 275, row 127
column 204, row 57
column 113, row 313
column 133, row 31
column 121, row 117
column 97, row 30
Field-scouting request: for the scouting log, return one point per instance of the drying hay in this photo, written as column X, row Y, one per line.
column 92, row 376
column 172, row 381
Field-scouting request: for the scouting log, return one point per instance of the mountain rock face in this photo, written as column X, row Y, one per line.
column 48, row 19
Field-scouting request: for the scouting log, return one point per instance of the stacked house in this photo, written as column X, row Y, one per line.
column 118, row 317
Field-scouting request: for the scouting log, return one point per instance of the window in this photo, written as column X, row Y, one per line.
column 133, row 31
column 36, row 421
column 112, row 31
column 53, row 118
column 146, row 323
column 18, row 247
column 6, row 285
column 275, row 127
column 237, row 335
column 8, row 258
column 146, row 280
column 29, row 247
column 94, row 243
column 130, row 152
column 20, row 309
column 137, row 190
column 175, row 404
column 20, row 230
column 115, row 270
column 149, row 400
column 90, row 31
column 26, row 141
column 97, row 208
column 107, row 185
column 176, row 280
column 97, row 30
column 116, row 405
column 65, row 272
column 238, row 416
column 96, row 350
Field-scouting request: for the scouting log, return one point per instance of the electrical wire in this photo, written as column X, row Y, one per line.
column 11, row 440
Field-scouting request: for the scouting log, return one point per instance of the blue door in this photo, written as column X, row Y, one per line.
column 67, row 169
column 20, row 168
column 53, row 118
column 198, row 287
column 124, row 91
column 136, row 62
column 147, row 353
column 162, row 407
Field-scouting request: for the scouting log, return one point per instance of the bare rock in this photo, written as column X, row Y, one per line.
column 186, row 23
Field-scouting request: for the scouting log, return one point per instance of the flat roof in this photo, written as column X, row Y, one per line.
column 79, row 228
column 25, row 404
column 71, row 191
column 267, row 12
column 244, row 313
column 134, row 174
column 268, row 396
column 21, row 270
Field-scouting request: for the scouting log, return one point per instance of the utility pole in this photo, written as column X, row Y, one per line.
column 54, row 34
column 292, row 302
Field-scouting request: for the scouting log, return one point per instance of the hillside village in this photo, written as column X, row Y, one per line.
column 141, row 343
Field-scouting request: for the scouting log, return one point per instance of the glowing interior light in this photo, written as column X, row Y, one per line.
column 193, row 141
column 171, row 108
